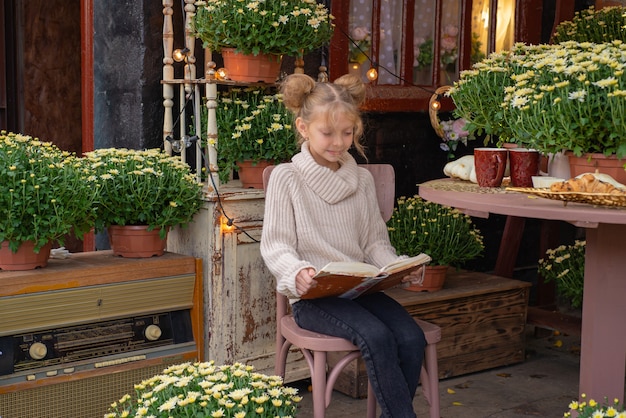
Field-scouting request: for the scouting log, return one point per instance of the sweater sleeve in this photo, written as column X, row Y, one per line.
column 278, row 238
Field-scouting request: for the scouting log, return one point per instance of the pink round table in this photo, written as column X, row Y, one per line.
column 603, row 334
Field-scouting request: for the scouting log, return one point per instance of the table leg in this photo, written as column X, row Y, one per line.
column 509, row 246
column 603, row 348
column 549, row 237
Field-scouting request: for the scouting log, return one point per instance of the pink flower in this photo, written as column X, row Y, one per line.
column 451, row 30
column 459, row 127
column 359, row 33
column 448, row 43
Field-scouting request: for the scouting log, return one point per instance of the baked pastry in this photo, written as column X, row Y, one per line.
column 587, row 183
column 462, row 168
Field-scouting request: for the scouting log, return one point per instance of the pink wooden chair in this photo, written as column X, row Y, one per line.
column 315, row 346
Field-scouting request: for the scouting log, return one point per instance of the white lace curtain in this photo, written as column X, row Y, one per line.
column 423, row 27
column 391, row 29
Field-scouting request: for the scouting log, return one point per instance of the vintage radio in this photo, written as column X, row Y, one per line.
column 76, row 335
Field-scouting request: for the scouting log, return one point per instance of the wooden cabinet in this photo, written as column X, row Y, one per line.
column 79, row 333
column 239, row 291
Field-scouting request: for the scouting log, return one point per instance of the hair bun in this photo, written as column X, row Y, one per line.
column 295, row 88
column 354, row 86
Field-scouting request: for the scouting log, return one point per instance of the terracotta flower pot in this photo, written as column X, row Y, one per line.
column 251, row 174
column 434, row 278
column 135, row 241
column 25, row 258
column 589, row 163
column 251, row 68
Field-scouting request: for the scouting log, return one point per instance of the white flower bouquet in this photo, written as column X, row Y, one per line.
column 565, row 266
column 207, row 390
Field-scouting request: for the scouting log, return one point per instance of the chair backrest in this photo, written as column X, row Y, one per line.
column 384, row 181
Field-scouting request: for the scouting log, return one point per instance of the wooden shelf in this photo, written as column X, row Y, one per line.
column 554, row 320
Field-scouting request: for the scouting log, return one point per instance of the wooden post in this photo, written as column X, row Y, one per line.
column 168, row 72
column 211, row 104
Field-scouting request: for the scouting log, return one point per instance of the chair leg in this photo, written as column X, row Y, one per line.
column 280, row 362
column 371, row 401
column 431, row 382
column 318, row 378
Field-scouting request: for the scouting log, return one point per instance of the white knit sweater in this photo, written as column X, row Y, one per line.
column 314, row 215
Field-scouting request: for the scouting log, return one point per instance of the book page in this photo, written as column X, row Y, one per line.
column 404, row 263
column 348, row 268
column 395, row 278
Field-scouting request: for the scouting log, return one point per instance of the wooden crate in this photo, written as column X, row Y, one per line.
column 482, row 319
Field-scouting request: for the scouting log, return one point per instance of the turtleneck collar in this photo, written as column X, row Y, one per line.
column 331, row 186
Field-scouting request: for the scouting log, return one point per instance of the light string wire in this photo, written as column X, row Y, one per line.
column 229, row 221
column 376, row 64
column 188, row 101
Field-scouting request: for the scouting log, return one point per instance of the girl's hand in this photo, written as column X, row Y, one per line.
column 416, row 277
column 304, row 280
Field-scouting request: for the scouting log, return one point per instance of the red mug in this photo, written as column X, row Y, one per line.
column 524, row 165
column 490, row 164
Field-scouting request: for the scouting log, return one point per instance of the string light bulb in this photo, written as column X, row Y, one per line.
column 436, row 104
column 372, row 74
column 222, row 74
column 179, row 144
column 226, row 225
column 179, row 55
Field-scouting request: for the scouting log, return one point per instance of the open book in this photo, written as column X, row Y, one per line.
column 349, row 279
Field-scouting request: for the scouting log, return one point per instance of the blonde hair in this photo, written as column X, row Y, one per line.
column 308, row 99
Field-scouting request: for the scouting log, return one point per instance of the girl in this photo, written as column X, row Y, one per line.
column 322, row 207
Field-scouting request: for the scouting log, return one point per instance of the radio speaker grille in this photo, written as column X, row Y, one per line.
column 85, row 398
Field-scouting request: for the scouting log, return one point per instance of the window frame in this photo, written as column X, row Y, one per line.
column 406, row 97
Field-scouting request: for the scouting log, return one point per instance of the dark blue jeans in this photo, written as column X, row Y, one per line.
column 391, row 343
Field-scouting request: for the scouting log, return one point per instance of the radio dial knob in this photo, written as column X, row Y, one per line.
column 152, row 332
column 38, row 351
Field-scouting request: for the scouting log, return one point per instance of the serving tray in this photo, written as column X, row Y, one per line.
column 602, row 199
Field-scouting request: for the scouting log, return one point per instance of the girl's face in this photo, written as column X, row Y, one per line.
column 327, row 141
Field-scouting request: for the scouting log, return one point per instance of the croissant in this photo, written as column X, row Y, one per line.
column 586, row 183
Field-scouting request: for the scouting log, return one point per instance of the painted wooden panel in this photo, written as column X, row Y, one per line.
column 239, row 297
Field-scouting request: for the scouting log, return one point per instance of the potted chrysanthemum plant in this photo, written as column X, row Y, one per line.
column 261, row 30
column 565, row 267
column 593, row 25
column 207, row 390
column 592, row 409
column 141, row 194
column 570, row 97
column 45, row 194
column 255, row 130
column 447, row 235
